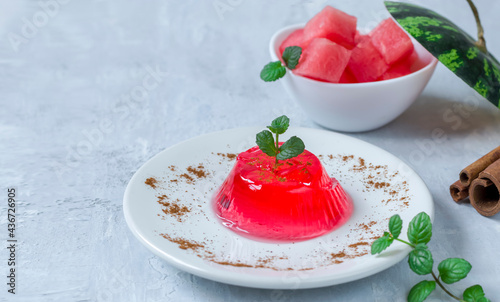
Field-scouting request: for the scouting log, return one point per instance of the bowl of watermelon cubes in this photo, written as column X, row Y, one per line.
column 349, row 81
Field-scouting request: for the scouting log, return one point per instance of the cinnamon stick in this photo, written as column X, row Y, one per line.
column 472, row 171
column 458, row 191
column 484, row 191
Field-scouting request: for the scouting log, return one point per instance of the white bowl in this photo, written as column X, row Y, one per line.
column 355, row 107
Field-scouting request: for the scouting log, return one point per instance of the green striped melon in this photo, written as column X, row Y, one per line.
column 452, row 46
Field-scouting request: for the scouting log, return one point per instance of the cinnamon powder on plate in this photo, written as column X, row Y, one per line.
column 198, row 172
column 184, row 243
column 373, row 177
column 151, row 182
column 172, row 208
column 229, row 156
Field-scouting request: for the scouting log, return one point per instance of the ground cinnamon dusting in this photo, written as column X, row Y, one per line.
column 367, row 226
column 229, row 156
column 377, row 177
column 354, row 252
column 198, row 172
column 378, row 185
column 176, row 210
column 237, row 264
column 361, row 166
column 173, row 208
column 339, row 255
column 184, row 243
column 356, row 245
column 161, row 200
column 345, row 157
column 361, row 236
column 186, row 176
column 151, row 182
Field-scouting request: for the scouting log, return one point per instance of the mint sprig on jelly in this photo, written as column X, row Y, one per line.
column 275, row 70
column 293, row 147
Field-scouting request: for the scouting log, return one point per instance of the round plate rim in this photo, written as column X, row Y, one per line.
column 228, row 277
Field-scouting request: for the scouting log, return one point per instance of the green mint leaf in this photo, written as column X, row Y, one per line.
column 452, row 270
column 279, row 125
column 291, row 56
column 420, row 229
column 483, row 299
column 395, row 225
column 421, row 291
column 291, row 148
column 381, row 244
column 420, row 260
column 474, row 293
column 265, row 141
column 272, row 72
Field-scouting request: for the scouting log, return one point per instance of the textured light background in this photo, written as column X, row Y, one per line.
column 75, row 72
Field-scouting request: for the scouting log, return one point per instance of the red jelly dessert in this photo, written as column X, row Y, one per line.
column 296, row 200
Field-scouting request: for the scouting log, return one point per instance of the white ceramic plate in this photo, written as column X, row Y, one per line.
column 380, row 184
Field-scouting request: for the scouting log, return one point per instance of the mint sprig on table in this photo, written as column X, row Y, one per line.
column 293, row 147
column 275, row 70
column 420, row 259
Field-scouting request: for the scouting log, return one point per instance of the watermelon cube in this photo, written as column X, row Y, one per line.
column 334, row 25
column 296, row 38
column 366, row 63
column 347, row 77
column 359, row 37
column 415, row 61
column 323, row 60
column 391, row 41
column 398, row 70
column 401, row 68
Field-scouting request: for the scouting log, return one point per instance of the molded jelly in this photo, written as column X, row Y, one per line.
column 296, row 200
